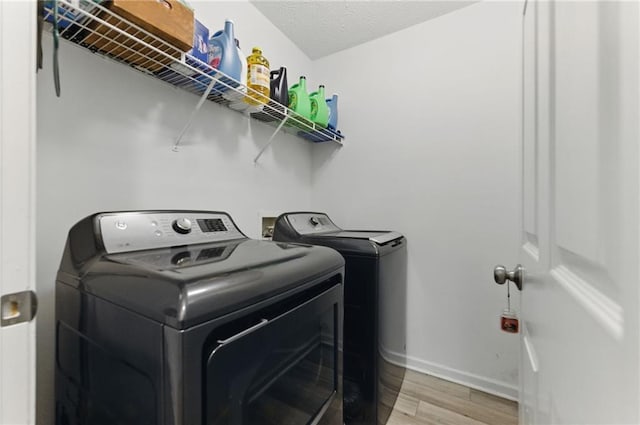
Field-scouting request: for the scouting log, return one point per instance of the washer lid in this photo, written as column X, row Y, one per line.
column 185, row 284
column 379, row 237
column 188, row 285
column 189, row 263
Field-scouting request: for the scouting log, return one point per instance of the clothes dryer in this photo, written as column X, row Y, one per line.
column 374, row 309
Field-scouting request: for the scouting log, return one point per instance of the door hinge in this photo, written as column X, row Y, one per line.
column 17, row 308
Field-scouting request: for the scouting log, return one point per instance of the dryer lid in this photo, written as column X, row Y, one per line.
column 379, row 237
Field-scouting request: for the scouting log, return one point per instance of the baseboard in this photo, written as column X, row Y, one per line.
column 470, row 380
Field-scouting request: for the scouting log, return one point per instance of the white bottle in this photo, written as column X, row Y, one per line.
column 240, row 91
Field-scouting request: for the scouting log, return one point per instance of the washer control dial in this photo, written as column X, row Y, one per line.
column 182, row 258
column 314, row 221
column 182, row 226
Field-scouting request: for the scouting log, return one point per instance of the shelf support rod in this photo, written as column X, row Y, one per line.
column 264, row 148
column 193, row 114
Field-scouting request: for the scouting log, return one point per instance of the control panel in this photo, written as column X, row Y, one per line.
column 310, row 223
column 135, row 231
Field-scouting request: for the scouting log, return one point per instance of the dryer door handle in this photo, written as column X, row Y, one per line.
column 263, row 322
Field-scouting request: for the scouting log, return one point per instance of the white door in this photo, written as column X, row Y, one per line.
column 580, row 213
column 17, row 218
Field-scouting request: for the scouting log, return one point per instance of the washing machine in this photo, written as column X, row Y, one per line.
column 374, row 309
column 177, row 318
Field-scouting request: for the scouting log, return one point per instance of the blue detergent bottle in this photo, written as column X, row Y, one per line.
column 224, row 56
column 332, row 103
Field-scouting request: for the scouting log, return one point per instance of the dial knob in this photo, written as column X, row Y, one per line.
column 181, row 258
column 182, row 225
column 314, row 221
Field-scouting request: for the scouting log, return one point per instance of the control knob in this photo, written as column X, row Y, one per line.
column 182, row 226
column 182, row 258
column 314, row 221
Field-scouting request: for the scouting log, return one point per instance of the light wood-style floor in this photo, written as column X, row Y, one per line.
column 426, row 400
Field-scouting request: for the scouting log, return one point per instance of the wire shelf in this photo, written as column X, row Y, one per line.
column 89, row 24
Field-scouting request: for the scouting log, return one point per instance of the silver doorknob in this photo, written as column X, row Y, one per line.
column 501, row 275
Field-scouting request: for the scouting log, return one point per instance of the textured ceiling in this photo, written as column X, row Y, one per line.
column 320, row 28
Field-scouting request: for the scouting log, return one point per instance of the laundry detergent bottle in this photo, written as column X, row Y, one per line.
column 279, row 88
column 279, row 94
column 223, row 56
column 299, row 101
column 319, row 109
column 239, row 93
column 332, row 104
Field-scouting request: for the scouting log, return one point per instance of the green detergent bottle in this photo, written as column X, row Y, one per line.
column 299, row 101
column 319, row 108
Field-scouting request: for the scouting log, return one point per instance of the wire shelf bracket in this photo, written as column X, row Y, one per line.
column 193, row 114
column 264, row 148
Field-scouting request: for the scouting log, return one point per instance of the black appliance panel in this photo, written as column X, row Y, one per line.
column 136, row 331
column 102, row 349
column 375, row 291
column 280, row 370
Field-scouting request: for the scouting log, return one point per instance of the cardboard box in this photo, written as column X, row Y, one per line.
column 169, row 20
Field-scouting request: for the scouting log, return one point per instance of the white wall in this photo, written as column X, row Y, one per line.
column 431, row 118
column 431, row 115
column 106, row 145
